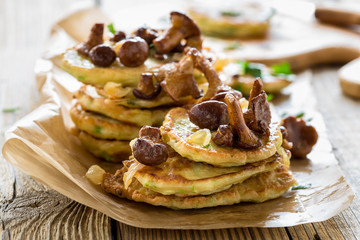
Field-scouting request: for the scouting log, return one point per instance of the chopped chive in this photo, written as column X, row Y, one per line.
column 254, row 71
column 298, row 187
column 243, row 67
column 10, row 110
column 269, row 97
column 206, row 146
column 309, row 119
column 151, row 45
column 300, row 115
column 81, row 78
column 97, row 129
column 111, row 28
column 282, row 68
column 230, row 13
column 233, row 46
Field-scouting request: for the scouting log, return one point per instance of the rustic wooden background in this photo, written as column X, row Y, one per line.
column 29, row 210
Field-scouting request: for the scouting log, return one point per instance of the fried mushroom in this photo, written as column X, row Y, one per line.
column 102, row 55
column 245, row 137
column 204, row 65
column 179, row 79
column 95, row 38
column 147, row 34
column 220, row 96
column 224, row 136
column 182, row 27
column 118, row 36
column 258, row 116
column 133, row 52
column 209, row 114
column 146, row 89
column 148, row 148
column 302, row 136
column 285, row 144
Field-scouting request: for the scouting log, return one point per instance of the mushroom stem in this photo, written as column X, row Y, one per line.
column 95, row 38
column 205, row 67
column 168, row 41
column 146, row 89
column 256, row 89
column 182, row 27
column 246, row 138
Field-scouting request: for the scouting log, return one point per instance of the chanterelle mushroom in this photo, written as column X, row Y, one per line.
column 179, row 79
column 148, row 148
column 95, row 38
column 182, row 27
column 303, row 136
column 146, row 88
column 245, row 137
column 224, row 136
column 258, row 116
column 204, row 65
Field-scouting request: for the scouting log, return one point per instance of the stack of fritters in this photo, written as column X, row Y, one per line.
column 203, row 157
column 130, row 81
column 106, row 125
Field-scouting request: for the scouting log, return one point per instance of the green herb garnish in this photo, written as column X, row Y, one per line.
column 269, row 97
column 300, row 115
column 284, row 114
column 233, row 46
column 299, row 187
column 97, row 129
column 81, row 78
column 252, row 69
column 111, row 28
column 10, row 110
column 230, row 14
column 151, row 45
column 282, row 68
column 206, row 146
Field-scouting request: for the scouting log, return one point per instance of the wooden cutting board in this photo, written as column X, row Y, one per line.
column 298, row 38
column 348, row 16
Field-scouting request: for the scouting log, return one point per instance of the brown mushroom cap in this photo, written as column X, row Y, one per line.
column 118, row 36
column 149, row 153
column 102, row 55
column 147, row 34
column 302, row 136
column 148, row 149
column 133, row 52
column 209, row 114
column 151, row 133
column 182, row 28
column 95, row 38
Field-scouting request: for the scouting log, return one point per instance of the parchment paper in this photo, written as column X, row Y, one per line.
column 40, row 145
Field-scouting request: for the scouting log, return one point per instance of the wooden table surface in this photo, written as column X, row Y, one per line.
column 30, row 210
